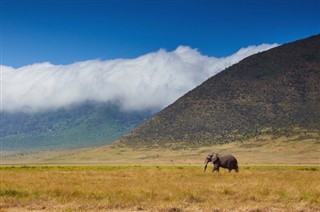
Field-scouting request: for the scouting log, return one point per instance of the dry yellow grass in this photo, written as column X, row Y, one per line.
column 167, row 178
column 160, row 188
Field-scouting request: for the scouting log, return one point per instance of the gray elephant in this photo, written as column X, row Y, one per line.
column 225, row 161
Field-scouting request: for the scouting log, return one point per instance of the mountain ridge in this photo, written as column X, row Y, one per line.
column 275, row 92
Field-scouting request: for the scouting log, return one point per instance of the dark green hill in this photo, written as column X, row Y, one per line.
column 84, row 125
column 275, row 92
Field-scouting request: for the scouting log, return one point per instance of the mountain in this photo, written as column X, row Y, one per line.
column 276, row 92
column 84, row 125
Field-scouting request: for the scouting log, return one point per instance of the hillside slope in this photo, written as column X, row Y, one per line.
column 84, row 125
column 276, row 92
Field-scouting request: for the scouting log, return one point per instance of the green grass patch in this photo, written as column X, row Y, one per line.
column 119, row 167
column 12, row 193
column 280, row 167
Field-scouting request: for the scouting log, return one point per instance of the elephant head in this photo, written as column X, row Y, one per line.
column 210, row 158
column 213, row 157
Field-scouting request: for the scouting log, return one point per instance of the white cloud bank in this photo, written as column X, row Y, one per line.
column 151, row 81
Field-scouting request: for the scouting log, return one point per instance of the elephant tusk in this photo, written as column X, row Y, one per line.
column 204, row 167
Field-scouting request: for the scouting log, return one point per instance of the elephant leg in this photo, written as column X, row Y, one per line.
column 215, row 168
column 236, row 168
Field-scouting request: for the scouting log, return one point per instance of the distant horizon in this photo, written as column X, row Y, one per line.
column 65, row 32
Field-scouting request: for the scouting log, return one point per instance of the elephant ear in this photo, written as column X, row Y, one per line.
column 215, row 158
column 209, row 157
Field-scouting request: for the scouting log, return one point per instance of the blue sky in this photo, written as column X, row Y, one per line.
column 63, row 32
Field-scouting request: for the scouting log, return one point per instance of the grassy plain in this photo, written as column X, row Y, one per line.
column 265, row 150
column 275, row 175
column 159, row 188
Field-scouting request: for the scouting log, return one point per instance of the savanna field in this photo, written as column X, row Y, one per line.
column 159, row 188
column 277, row 175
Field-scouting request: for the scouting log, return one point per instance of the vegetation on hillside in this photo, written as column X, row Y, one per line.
column 276, row 92
column 88, row 124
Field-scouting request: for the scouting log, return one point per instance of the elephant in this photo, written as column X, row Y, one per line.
column 225, row 161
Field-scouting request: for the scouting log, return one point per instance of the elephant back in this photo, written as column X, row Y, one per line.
column 228, row 160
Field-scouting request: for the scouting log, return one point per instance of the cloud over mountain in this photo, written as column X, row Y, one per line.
column 151, row 81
